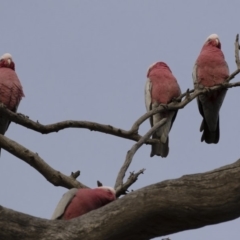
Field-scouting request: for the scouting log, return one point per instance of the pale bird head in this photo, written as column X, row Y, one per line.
column 214, row 39
column 7, row 57
column 154, row 65
column 108, row 189
column 158, row 65
column 151, row 66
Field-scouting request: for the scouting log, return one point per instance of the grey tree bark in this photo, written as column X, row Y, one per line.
column 171, row 206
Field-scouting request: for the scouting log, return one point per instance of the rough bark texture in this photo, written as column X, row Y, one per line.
column 192, row 201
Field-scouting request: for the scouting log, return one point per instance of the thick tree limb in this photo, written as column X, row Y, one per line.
column 53, row 176
column 168, row 207
column 133, row 150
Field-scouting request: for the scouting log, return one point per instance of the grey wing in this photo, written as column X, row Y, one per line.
column 63, row 203
column 194, row 76
column 148, row 99
column 4, row 124
column 227, row 67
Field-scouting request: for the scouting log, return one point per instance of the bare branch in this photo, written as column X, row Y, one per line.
column 99, row 184
column 236, row 59
column 188, row 98
column 75, row 175
column 132, row 151
column 131, row 134
column 33, row 159
column 50, row 128
column 237, row 52
column 131, row 179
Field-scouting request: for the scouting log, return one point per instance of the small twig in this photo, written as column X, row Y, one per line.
column 99, row 184
column 33, row 159
column 121, row 190
column 236, row 60
column 187, row 93
column 237, row 52
column 75, row 175
column 133, row 150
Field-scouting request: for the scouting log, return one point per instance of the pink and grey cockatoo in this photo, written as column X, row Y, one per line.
column 77, row 202
column 11, row 91
column 210, row 69
column 161, row 87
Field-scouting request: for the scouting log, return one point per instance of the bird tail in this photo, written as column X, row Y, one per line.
column 4, row 124
column 209, row 136
column 160, row 149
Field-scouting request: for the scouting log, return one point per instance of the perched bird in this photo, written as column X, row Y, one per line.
column 77, row 202
column 161, row 87
column 210, row 69
column 11, row 91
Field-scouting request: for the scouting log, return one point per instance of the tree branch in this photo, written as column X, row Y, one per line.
column 132, row 151
column 188, row 98
column 122, row 190
column 55, row 127
column 164, row 208
column 131, row 134
column 237, row 60
column 33, row 159
column 75, row 175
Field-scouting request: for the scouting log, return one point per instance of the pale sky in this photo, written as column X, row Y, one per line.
column 87, row 60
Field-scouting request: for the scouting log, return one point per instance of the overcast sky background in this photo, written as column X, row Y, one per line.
column 87, row 60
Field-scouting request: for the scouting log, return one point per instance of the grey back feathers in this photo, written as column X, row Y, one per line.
column 148, row 100
column 63, row 203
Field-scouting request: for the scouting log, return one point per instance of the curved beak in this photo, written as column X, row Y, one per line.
column 9, row 61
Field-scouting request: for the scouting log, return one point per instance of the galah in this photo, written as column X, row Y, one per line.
column 210, row 69
column 11, row 91
column 77, row 202
column 161, row 88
